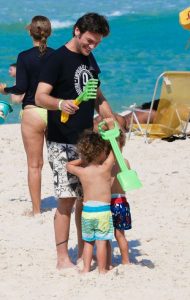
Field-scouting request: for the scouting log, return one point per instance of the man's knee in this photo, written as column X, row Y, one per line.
column 65, row 205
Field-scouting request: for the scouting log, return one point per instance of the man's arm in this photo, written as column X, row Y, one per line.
column 104, row 110
column 43, row 99
column 102, row 106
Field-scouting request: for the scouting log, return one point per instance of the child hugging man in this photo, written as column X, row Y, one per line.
column 97, row 171
column 94, row 171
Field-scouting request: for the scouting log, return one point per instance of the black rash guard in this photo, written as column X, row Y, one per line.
column 29, row 65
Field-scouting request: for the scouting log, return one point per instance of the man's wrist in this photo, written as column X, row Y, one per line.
column 60, row 103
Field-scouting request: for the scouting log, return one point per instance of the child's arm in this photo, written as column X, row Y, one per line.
column 74, row 167
column 109, row 122
column 109, row 162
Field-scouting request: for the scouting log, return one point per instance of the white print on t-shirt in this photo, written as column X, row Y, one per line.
column 82, row 75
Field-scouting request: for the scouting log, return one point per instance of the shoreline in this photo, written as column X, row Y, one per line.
column 158, row 241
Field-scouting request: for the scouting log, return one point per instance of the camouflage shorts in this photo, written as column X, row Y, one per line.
column 66, row 185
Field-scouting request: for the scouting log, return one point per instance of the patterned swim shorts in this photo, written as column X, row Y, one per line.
column 66, row 185
column 97, row 223
column 120, row 212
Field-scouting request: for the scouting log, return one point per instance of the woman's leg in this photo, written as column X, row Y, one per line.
column 33, row 127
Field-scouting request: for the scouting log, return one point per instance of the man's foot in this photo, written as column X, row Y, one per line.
column 65, row 265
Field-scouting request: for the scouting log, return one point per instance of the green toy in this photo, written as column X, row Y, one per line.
column 128, row 179
column 89, row 92
column 5, row 109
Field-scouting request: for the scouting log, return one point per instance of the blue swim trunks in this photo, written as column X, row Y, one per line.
column 120, row 212
column 97, row 223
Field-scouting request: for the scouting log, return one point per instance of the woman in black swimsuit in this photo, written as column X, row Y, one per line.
column 34, row 119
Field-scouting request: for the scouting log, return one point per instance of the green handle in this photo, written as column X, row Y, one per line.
column 128, row 179
column 111, row 135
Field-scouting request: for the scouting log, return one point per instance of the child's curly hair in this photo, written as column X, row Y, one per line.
column 91, row 145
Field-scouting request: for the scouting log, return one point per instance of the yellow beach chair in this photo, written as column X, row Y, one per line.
column 173, row 111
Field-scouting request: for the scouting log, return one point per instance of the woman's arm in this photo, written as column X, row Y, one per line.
column 22, row 78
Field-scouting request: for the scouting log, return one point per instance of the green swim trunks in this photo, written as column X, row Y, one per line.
column 97, row 223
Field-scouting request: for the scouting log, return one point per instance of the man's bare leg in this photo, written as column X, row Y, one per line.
column 61, row 227
column 78, row 213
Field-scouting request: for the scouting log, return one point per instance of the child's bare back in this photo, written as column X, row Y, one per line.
column 96, row 182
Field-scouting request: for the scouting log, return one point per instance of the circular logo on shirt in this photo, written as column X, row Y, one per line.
column 82, row 75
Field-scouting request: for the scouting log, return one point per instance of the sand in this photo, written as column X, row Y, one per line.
column 159, row 241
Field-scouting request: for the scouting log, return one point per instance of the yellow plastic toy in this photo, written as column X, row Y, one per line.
column 89, row 92
column 184, row 18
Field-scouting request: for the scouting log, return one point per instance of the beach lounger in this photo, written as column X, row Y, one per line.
column 173, row 112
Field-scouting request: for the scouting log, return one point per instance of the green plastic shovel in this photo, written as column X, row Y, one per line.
column 128, row 179
column 89, row 92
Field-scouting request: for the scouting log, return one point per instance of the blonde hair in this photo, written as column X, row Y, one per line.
column 40, row 30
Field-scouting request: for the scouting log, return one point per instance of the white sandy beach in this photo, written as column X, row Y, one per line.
column 159, row 241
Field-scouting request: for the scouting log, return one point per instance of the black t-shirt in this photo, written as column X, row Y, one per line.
column 68, row 72
column 29, row 64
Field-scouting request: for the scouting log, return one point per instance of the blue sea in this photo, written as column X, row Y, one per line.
column 146, row 40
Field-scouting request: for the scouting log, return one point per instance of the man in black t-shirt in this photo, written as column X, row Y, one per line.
column 61, row 81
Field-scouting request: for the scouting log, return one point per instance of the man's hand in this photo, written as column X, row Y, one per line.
column 68, row 106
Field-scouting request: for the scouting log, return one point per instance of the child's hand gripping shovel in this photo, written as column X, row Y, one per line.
column 89, row 92
column 128, row 179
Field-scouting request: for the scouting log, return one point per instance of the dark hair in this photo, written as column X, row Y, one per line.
column 93, row 23
column 13, row 65
column 91, row 145
column 40, row 30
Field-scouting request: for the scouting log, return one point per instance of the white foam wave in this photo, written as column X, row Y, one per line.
column 56, row 24
column 116, row 13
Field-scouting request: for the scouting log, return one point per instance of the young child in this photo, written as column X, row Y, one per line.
column 120, row 209
column 94, row 171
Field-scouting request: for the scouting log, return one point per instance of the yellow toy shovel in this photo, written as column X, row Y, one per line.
column 89, row 92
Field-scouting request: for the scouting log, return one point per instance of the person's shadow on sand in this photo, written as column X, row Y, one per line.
column 134, row 253
column 48, row 204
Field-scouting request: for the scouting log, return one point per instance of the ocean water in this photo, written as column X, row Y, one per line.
column 146, row 40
